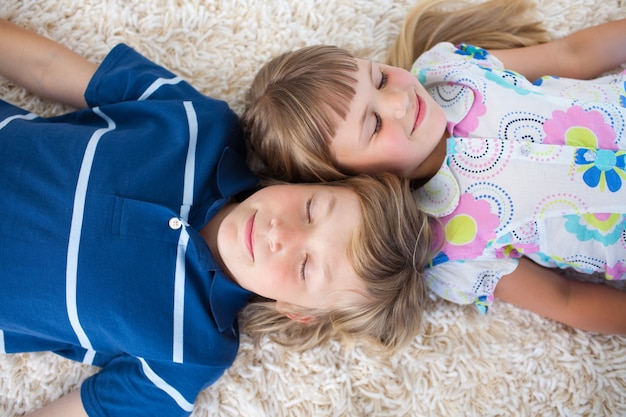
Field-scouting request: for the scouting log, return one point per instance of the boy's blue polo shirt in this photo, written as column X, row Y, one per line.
column 100, row 256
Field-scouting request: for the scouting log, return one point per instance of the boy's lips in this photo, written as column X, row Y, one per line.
column 248, row 235
column 419, row 112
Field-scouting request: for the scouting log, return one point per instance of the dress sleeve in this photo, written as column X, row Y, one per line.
column 448, row 55
column 470, row 281
column 129, row 386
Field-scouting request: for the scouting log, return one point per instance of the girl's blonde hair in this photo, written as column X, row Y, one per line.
column 291, row 110
column 296, row 100
column 389, row 251
column 494, row 24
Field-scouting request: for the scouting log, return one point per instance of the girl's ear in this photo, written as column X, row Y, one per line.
column 287, row 310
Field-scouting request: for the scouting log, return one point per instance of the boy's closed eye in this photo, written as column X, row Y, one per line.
column 307, row 214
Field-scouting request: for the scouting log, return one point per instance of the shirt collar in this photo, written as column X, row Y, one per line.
column 226, row 299
column 440, row 195
column 233, row 175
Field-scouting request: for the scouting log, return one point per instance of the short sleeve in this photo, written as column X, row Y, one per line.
column 129, row 386
column 470, row 281
column 126, row 75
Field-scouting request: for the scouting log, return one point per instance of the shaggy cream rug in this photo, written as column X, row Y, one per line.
column 508, row 363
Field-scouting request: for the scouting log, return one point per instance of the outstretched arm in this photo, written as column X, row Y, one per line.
column 584, row 54
column 584, row 305
column 69, row 405
column 43, row 66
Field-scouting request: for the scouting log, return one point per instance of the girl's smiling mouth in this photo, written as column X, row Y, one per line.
column 419, row 112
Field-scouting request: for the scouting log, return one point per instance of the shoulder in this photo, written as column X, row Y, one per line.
column 445, row 53
column 126, row 75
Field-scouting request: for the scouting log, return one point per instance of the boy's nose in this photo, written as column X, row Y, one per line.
column 281, row 235
column 398, row 103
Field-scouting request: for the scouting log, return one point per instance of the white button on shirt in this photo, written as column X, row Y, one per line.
column 175, row 223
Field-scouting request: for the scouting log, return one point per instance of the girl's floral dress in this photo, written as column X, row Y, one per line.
column 535, row 169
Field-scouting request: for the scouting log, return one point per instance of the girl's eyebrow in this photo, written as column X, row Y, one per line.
column 364, row 115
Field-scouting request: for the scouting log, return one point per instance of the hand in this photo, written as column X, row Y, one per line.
column 69, row 405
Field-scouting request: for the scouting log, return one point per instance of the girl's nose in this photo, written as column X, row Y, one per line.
column 397, row 103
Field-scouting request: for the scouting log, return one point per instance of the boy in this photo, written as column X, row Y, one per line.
column 124, row 245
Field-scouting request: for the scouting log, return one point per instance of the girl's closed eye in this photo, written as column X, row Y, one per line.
column 378, row 125
column 383, row 80
column 379, row 121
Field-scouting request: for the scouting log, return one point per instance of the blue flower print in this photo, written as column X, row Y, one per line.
column 472, row 51
column 622, row 97
column 559, row 262
column 482, row 304
column 602, row 167
column 539, row 81
column 507, row 79
column 604, row 228
column 439, row 259
column 420, row 74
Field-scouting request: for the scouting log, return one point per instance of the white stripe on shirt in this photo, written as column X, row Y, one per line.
column 188, row 195
column 157, row 84
column 3, row 349
column 71, row 274
column 167, row 388
column 28, row 116
column 179, row 298
column 190, row 164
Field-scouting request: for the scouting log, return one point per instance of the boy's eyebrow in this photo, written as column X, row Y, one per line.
column 326, row 268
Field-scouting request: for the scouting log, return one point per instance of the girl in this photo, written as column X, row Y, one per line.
column 124, row 244
column 520, row 175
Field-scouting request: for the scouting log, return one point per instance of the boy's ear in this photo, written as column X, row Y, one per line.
column 300, row 319
column 284, row 308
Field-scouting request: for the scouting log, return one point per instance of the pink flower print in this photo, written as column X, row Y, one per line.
column 516, row 251
column 616, row 272
column 467, row 231
column 471, row 120
column 578, row 127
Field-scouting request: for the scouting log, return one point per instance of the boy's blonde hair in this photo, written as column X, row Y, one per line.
column 389, row 251
column 296, row 100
